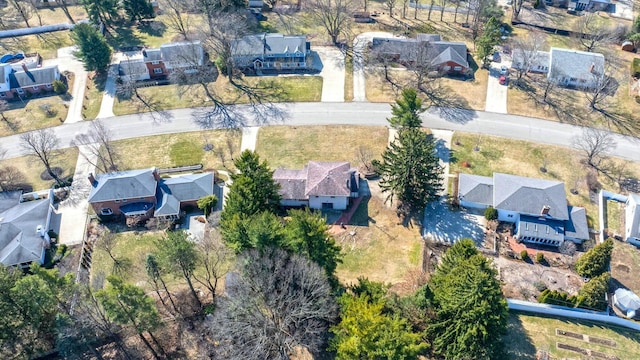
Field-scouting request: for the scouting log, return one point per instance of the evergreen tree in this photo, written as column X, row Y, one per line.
column 592, row 294
column 596, row 261
column 138, row 9
column 207, row 203
column 490, row 37
column 93, row 49
column 179, row 256
column 102, row 11
column 470, row 310
column 410, row 169
column 407, row 109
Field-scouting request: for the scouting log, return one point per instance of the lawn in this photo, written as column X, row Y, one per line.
column 294, row 88
column 348, row 79
column 525, row 159
column 625, row 266
column 293, row 147
column 93, row 96
column 34, row 113
column 46, row 45
column 527, row 334
column 165, row 151
column 30, row 168
column 52, row 16
column 383, row 250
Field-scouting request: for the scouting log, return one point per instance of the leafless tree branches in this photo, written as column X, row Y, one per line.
column 43, row 144
column 594, row 144
column 215, row 260
column 333, row 15
column 590, row 33
column 98, row 142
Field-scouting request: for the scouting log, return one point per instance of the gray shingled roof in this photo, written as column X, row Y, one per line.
column 528, row 196
column 477, row 189
column 123, row 185
column 450, row 51
column 174, row 190
column 292, row 183
column 182, row 54
column 539, row 59
column 132, row 67
column 268, row 44
column 152, row 54
column 541, row 228
column 34, row 77
column 575, row 64
column 425, row 45
column 328, row 179
column 19, row 240
column 576, row 227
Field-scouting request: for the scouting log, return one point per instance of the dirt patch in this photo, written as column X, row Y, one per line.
column 587, row 352
column 625, row 265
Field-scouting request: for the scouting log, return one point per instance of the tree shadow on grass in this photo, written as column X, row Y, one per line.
column 152, row 28
column 123, row 37
column 518, row 345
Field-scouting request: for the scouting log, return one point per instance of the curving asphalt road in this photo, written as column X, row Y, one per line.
column 355, row 113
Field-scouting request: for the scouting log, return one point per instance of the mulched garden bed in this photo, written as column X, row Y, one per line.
column 587, row 352
column 587, row 338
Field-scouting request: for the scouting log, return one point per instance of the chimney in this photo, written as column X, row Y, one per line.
column 545, row 210
column 92, row 179
column 592, row 67
column 155, row 174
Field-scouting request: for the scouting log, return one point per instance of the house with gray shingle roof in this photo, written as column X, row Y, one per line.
column 537, row 207
column 144, row 193
column 158, row 63
column 24, row 228
column 271, row 52
column 446, row 57
column 319, row 185
column 23, row 80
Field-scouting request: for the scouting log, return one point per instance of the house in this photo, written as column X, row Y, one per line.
column 271, row 52
column 24, row 225
column 145, row 194
column 589, row 5
column 565, row 67
column 22, row 74
column 158, row 63
column 632, row 219
column 627, row 301
column 537, row 207
column 446, row 57
column 319, row 185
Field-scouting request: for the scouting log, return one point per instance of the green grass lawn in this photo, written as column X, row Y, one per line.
column 348, row 79
column 165, row 151
column 93, row 96
column 294, row 89
column 527, row 333
column 30, row 168
column 32, row 114
column 46, row 45
column 294, row 146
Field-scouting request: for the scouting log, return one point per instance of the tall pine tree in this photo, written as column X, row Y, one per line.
column 407, row 109
column 138, row 9
column 93, row 49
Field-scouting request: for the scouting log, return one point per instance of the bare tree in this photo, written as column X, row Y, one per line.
column 391, row 5
column 516, row 6
column 594, row 144
column 215, row 260
column 175, row 11
column 527, row 50
column 279, row 302
column 99, row 144
column 24, row 9
column 34, row 9
column 590, row 33
column 601, row 88
column 365, row 157
column 4, row 106
column 127, row 87
column 333, row 15
column 107, row 243
column 11, row 178
column 65, row 8
column 44, row 145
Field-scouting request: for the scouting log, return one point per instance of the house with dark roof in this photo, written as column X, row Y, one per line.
column 24, row 225
column 145, row 194
column 319, row 185
column 271, row 52
column 160, row 62
column 26, row 77
column 445, row 57
column 537, row 207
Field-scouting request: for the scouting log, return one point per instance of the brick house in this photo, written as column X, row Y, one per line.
column 158, row 63
column 21, row 75
column 319, row 185
column 145, row 194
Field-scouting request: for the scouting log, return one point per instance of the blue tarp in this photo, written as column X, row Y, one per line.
column 6, row 58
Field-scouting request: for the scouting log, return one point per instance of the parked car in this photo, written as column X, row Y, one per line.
column 503, row 80
column 503, row 70
column 496, row 56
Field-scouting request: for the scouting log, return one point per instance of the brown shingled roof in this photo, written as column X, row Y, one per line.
column 328, row 179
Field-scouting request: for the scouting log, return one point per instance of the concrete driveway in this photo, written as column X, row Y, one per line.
column 332, row 72
column 496, row 93
column 66, row 61
column 360, row 43
column 448, row 226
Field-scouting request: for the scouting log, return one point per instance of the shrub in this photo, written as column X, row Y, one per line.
column 52, row 234
column 491, row 213
column 555, row 297
column 539, row 258
column 220, row 64
column 524, row 255
column 62, row 249
column 59, row 87
column 540, row 286
column 596, row 261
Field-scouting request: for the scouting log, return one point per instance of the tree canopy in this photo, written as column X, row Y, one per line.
column 207, row 203
column 93, row 49
column 138, row 9
column 595, row 261
column 179, row 256
column 410, row 169
column 405, row 113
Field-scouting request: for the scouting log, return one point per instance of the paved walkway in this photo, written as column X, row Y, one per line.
column 359, row 44
column 74, row 208
column 109, row 96
column 66, row 61
column 249, row 138
column 332, row 73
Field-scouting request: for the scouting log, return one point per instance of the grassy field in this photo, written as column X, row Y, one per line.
column 293, row 147
column 348, row 79
column 46, row 45
column 173, row 150
column 49, row 16
column 295, row 88
column 525, row 159
column 625, row 265
column 527, row 334
column 31, row 168
column 93, row 96
column 33, row 114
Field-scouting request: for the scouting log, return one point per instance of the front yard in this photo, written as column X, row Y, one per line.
column 32, row 114
column 29, row 169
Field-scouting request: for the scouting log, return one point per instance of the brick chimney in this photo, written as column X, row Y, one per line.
column 592, row 67
column 155, row 174
column 545, row 210
column 24, row 67
column 92, row 179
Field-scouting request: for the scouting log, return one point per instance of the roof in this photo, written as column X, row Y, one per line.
column 182, row 54
column 450, row 51
column 528, row 195
column 268, row 44
column 19, row 241
column 537, row 59
column 152, row 54
column 541, row 228
column 575, row 64
column 633, row 205
column 132, row 67
column 130, row 184
column 627, row 299
column 34, row 77
column 428, row 46
column 174, row 190
column 292, row 183
column 328, row 179
column 576, row 227
column 476, row 189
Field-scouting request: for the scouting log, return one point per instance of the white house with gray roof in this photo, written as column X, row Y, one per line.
column 271, row 52
column 537, row 207
column 24, row 228
column 632, row 219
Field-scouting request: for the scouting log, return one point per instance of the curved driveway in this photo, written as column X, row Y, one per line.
column 510, row 126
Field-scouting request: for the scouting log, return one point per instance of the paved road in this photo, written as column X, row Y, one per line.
column 510, row 126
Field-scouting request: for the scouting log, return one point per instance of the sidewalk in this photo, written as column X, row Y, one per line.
column 249, row 138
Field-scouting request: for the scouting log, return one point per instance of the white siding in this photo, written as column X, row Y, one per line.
column 508, row 216
column 339, row 202
column 472, row 205
column 293, row 203
column 631, row 211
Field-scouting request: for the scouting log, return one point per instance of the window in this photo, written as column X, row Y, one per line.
column 457, row 68
column 124, row 200
column 117, row 201
column 20, row 91
column 157, row 71
column 446, row 68
column 35, row 87
column 106, row 211
column 510, row 215
column 3, row 94
column 155, row 62
column 48, row 86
